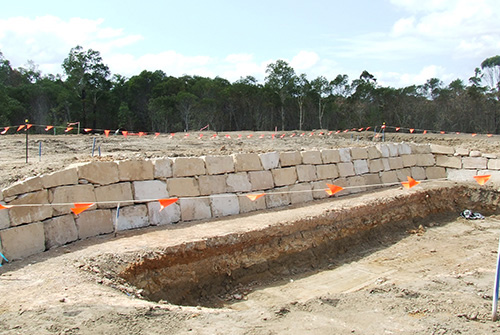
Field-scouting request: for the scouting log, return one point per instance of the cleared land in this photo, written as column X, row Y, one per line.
column 434, row 279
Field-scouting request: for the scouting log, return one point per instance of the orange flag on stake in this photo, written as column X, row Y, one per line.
column 167, row 202
column 157, row 134
column 410, row 183
column 125, row 133
column 254, row 197
column 20, row 127
column 106, row 132
column 5, row 130
column 87, row 130
column 4, row 207
column 332, row 189
column 68, row 129
column 481, row 180
column 80, row 208
column 48, row 128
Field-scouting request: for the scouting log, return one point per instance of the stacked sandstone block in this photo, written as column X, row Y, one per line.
column 208, row 187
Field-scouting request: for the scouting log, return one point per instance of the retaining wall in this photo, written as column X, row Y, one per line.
column 209, row 187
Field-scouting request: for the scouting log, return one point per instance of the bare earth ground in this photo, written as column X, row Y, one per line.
column 436, row 280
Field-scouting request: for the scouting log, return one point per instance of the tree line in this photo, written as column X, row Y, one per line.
column 153, row 101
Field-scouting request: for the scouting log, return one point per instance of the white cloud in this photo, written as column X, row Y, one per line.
column 47, row 40
column 304, row 60
column 395, row 79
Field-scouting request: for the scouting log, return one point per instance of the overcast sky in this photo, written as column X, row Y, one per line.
column 401, row 42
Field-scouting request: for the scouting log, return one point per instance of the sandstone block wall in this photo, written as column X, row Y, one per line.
column 208, row 187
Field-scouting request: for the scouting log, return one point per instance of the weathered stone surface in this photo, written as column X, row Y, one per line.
column 300, row 193
column 150, row 189
column 311, row 157
column 195, row 209
column 135, row 170
column 247, row 162
column 319, row 189
column 290, row 158
column 395, row 163
column 219, row 164
column 409, row 160
column 442, row 149
column 131, row 217
column 355, row 183
column 28, row 185
column 345, row 169
column 384, row 150
column 494, row 164
column 374, row 152
column 306, row 173
column 475, row 153
column 59, row 178
column 270, row 160
column 330, row 156
column 420, row 148
column 372, row 179
column 247, row 205
column 279, row 197
column 60, row 231
column 490, row 156
column 403, row 174
column 70, row 194
column 389, row 177
column 109, row 196
column 169, row 214
column 188, row 167
column 345, row 155
column 404, row 149
column 435, row 172
column 327, row 171
column 417, row 173
column 284, row 176
column 212, row 184
column 162, row 168
column 183, row 187
column 359, row 153
column 261, row 180
column 20, row 215
column 393, row 149
column 461, row 152
column 93, row 223
column 224, row 204
column 385, row 164
column 425, row 159
column 474, row 163
column 375, row 165
column 4, row 217
column 361, row 166
column 449, row 161
column 238, row 182
column 100, row 173
column 23, row 241
column 461, row 175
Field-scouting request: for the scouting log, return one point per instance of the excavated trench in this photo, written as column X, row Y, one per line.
column 202, row 271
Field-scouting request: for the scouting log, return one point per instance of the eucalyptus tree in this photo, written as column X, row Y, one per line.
column 302, row 90
column 281, row 79
column 323, row 89
column 88, row 76
column 491, row 73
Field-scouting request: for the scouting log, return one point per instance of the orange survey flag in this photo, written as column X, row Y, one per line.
column 166, row 202
column 481, row 180
column 410, row 183
column 254, row 197
column 332, row 189
column 81, row 208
